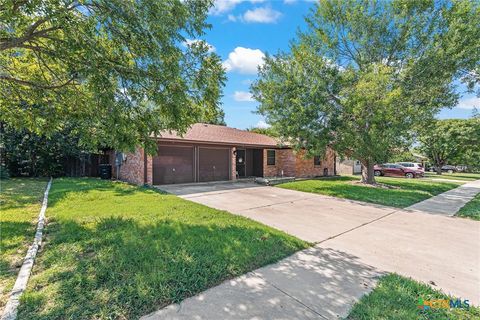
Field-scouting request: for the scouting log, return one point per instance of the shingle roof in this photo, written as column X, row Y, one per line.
column 209, row 133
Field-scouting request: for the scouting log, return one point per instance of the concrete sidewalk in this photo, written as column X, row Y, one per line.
column 450, row 202
column 316, row 283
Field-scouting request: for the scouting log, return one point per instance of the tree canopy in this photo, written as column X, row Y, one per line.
column 367, row 73
column 121, row 70
column 452, row 141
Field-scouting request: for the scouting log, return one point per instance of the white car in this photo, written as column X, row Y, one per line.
column 412, row 165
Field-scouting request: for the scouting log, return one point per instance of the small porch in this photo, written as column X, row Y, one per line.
column 248, row 162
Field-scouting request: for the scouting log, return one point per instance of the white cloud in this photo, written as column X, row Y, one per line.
column 262, row 125
column 189, row 42
column 289, row 1
column 244, row 60
column 223, row 6
column 261, row 15
column 469, row 103
column 242, row 96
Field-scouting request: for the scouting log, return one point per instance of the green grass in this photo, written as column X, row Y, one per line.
column 397, row 297
column 407, row 192
column 454, row 176
column 115, row 251
column 471, row 209
column 20, row 205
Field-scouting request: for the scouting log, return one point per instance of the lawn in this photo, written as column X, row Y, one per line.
column 471, row 209
column 454, row 176
column 20, row 200
column 115, row 251
column 397, row 297
column 406, row 192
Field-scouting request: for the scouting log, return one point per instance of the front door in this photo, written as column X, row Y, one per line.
column 240, row 162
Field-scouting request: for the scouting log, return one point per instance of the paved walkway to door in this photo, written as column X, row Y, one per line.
column 448, row 203
column 355, row 243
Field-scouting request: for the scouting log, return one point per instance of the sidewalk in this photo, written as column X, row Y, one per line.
column 448, row 203
column 315, row 283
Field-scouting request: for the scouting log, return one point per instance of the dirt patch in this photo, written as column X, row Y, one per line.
column 376, row 185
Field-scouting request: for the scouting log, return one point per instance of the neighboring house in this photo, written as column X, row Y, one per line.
column 218, row 153
column 348, row 166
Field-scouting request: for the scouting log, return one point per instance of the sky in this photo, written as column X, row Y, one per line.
column 243, row 31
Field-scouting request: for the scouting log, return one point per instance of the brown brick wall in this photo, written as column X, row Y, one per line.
column 305, row 167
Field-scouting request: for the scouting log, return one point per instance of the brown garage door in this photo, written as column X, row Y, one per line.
column 173, row 165
column 213, row 164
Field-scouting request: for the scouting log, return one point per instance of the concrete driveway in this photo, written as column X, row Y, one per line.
column 443, row 251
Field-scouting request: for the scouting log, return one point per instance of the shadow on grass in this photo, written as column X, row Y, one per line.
column 124, row 269
column 18, row 193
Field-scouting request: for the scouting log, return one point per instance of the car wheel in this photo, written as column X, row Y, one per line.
column 450, row 171
column 409, row 175
column 377, row 173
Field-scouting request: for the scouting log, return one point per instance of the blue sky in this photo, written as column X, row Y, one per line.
column 243, row 31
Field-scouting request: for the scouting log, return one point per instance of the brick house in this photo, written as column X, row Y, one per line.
column 218, row 153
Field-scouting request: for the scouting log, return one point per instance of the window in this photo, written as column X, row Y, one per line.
column 271, row 157
column 317, row 161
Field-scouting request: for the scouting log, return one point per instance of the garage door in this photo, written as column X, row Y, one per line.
column 213, row 164
column 173, row 165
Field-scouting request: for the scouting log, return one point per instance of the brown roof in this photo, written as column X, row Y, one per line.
column 209, row 133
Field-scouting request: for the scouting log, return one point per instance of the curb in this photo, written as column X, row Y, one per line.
column 10, row 311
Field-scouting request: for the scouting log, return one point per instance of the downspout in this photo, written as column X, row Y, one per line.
column 145, row 164
column 334, row 163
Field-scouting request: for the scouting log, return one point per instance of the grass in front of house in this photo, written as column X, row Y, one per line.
column 20, row 200
column 471, row 209
column 454, row 176
column 396, row 297
column 115, row 251
column 406, row 192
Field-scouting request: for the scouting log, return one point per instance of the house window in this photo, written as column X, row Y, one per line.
column 271, row 157
column 317, row 161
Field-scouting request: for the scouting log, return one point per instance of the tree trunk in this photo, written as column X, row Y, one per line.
column 438, row 168
column 368, row 175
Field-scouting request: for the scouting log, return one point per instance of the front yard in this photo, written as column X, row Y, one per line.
column 20, row 200
column 454, row 176
column 405, row 192
column 471, row 209
column 115, row 251
column 397, row 298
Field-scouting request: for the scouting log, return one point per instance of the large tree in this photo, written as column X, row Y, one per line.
column 120, row 69
column 452, row 141
column 366, row 73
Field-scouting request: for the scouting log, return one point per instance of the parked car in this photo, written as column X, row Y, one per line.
column 412, row 165
column 396, row 170
column 445, row 168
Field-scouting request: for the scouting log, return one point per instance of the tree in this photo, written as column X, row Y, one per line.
column 453, row 141
column 266, row 131
column 26, row 153
column 121, row 70
column 365, row 74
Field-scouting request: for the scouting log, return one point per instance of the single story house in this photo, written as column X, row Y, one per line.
column 217, row 153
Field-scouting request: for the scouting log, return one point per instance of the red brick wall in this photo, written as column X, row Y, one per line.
column 131, row 170
column 284, row 160
column 305, row 167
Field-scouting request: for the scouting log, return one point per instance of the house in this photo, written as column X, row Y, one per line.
column 348, row 166
column 217, row 153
